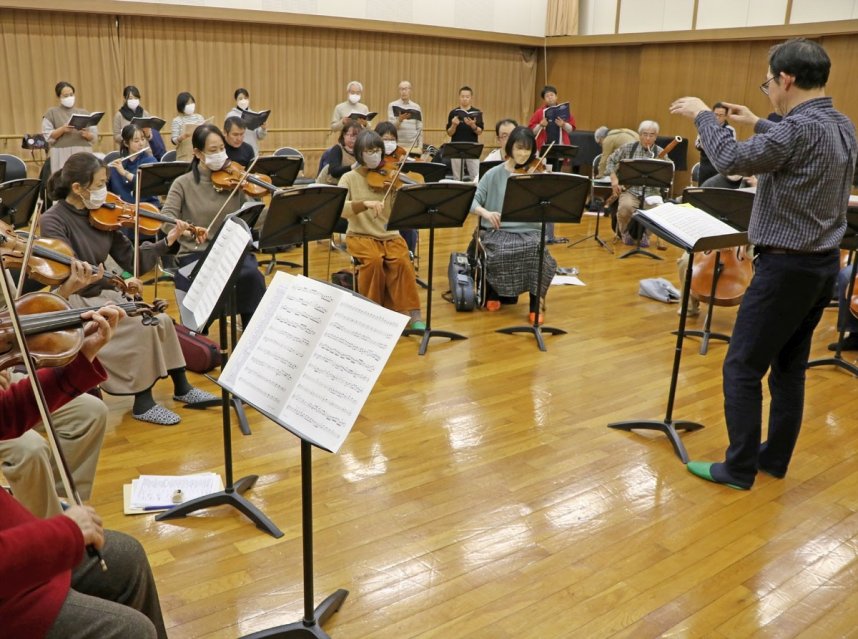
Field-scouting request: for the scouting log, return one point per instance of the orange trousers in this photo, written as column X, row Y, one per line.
column 385, row 273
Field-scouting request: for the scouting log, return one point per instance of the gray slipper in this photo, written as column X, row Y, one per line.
column 159, row 415
column 196, row 396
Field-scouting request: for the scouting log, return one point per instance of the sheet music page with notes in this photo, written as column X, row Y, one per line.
column 311, row 355
column 215, row 271
column 687, row 223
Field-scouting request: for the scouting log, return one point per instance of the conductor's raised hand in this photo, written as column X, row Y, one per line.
column 740, row 114
column 99, row 329
column 688, row 107
column 90, row 524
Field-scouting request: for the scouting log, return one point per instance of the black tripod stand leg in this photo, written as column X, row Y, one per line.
column 537, row 332
column 639, row 251
column 430, row 333
column 839, row 362
column 668, row 428
column 243, row 425
column 299, row 629
column 224, row 498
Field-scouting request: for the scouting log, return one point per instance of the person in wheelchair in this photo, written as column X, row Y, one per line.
column 511, row 248
column 384, row 273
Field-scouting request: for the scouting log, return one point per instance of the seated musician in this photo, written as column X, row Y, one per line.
column 123, row 172
column 49, row 587
column 193, row 198
column 846, row 320
column 610, row 140
column 237, row 150
column 339, row 159
column 392, row 151
column 385, row 273
column 139, row 355
column 352, row 104
column 511, row 248
column 634, row 197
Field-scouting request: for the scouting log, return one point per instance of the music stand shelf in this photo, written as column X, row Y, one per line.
column 431, row 206
column 670, row 426
column 543, row 198
column 646, row 173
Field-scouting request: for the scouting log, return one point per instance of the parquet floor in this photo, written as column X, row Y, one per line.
column 480, row 494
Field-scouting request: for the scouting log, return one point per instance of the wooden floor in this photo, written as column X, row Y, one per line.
column 481, row 494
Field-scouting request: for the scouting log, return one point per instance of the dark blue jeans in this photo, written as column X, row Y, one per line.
column 773, row 332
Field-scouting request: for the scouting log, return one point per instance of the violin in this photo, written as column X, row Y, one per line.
column 731, row 277
column 54, row 330
column 50, row 261
column 536, row 165
column 388, row 175
column 253, row 184
column 115, row 213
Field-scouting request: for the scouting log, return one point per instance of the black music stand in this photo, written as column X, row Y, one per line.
column 462, row 151
column 557, row 153
column 282, row 169
column 18, row 201
column 431, row 171
column 668, row 425
column 732, row 206
column 848, row 243
column 486, row 165
column 431, row 206
column 594, row 184
column 543, row 198
column 303, row 214
column 231, row 495
column 157, row 178
column 648, row 174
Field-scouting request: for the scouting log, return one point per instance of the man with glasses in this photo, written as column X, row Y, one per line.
column 804, row 166
column 502, row 130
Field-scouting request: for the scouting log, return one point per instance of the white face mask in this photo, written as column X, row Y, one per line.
column 354, row 98
column 372, row 160
column 243, row 103
column 133, row 103
column 190, row 108
column 68, row 101
column 96, row 198
column 389, row 147
column 215, row 161
column 520, row 156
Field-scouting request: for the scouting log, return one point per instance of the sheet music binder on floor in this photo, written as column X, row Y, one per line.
column 310, row 356
column 151, row 493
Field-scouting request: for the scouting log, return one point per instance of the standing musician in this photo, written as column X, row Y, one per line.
column 48, row 587
column 409, row 128
column 237, row 150
column 64, row 139
column 253, row 136
column 139, row 355
column 634, row 197
column 123, row 170
column 183, row 125
column 804, row 166
column 512, row 248
column 193, row 198
column 385, row 273
column 465, row 129
column 352, row 104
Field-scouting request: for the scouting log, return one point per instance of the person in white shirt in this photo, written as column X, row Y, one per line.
column 409, row 129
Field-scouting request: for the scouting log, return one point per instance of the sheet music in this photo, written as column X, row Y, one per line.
column 152, row 491
column 219, row 264
column 311, row 355
column 687, row 223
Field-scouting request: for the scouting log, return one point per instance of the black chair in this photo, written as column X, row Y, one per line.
column 169, row 156
column 15, row 167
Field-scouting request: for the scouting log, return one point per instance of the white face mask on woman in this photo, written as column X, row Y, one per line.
column 68, row 101
column 190, row 108
column 389, row 147
column 372, row 160
column 96, row 198
column 132, row 103
column 215, row 161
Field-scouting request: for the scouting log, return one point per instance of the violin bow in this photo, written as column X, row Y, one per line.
column 399, row 167
column 28, row 250
column 241, row 181
column 42, row 404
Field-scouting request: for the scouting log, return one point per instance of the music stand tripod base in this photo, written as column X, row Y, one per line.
column 668, row 428
column 536, row 330
column 303, row 630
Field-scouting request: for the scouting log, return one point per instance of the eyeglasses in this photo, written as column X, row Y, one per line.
column 764, row 87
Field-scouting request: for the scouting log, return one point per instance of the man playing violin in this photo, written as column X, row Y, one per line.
column 385, row 273
column 236, row 148
column 804, row 166
column 48, row 586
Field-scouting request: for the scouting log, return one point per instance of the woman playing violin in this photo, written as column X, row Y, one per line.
column 512, row 248
column 193, row 198
column 123, row 171
column 385, row 272
column 138, row 355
